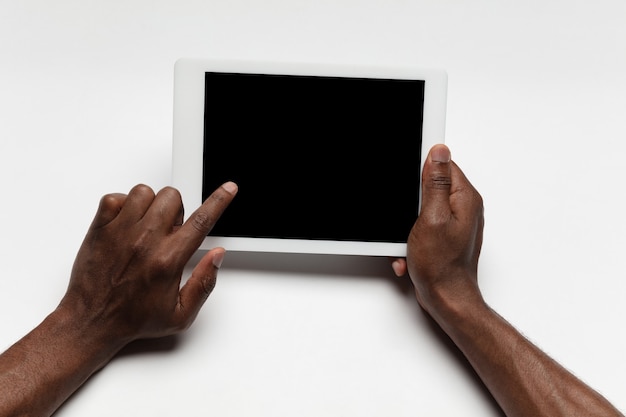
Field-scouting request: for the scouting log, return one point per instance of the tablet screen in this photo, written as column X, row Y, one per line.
column 315, row 157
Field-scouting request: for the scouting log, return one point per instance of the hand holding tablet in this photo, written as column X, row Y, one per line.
column 327, row 158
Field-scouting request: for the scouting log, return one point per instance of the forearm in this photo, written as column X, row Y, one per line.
column 522, row 378
column 40, row 371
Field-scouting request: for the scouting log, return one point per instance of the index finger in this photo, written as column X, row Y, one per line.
column 191, row 234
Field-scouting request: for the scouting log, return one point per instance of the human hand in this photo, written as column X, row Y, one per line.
column 443, row 248
column 444, row 244
column 125, row 283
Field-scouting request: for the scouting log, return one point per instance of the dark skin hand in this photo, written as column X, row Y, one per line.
column 442, row 262
column 125, row 285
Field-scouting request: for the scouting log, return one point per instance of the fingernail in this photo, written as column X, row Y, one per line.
column 440, row 153
column 230, row 186
column 395, row 266
column 218, row 258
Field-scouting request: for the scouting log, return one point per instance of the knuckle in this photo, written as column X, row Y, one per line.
column 440, row 181
column 202, row 221
column 170, row 189
column 172, row 193
column 111, row 200
column 162, row 264
column 142, row 189
column 139, row 246
column 208, row 285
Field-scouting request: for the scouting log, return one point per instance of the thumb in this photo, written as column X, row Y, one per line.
column 436, row 182
column 201, row 283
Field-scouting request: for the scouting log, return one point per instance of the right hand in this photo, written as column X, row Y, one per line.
column 444, row 244
column 126, row 278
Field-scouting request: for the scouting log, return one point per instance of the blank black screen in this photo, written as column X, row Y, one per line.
column 329, row 158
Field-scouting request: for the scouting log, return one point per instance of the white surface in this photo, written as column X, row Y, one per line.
column 536, row 118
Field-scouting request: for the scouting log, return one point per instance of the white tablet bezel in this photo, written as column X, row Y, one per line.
column 188, row 140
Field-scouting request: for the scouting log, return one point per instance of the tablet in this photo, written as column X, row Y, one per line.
column 327, row 158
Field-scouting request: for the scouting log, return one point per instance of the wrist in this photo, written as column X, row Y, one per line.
column 41, row 370
column 90, row 341
column 452, row 300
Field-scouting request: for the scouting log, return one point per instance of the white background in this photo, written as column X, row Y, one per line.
column 536, row 119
